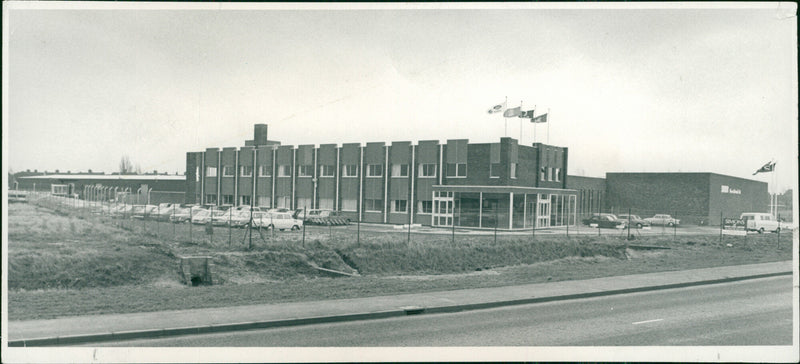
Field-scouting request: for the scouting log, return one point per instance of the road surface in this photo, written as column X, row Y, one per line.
column 753, row 312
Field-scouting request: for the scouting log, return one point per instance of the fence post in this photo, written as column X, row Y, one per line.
column 211, row 225
column 629, row 223
column 675, row 226
column 191, row 240
column 158, row 220
column 496, row 220
column 230, row 220
column 358, row 232
column 720, row 227
column 305, row 208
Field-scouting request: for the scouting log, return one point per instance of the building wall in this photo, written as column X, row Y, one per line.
column 590, row 194
column 381, row 196
column 752, row 196
column 682, row 194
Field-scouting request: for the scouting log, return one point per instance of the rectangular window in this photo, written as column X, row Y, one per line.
column 326, row 170
column 399, row 205
column 374, row 170
column 494, row 170
column 228, row 171
column 350, row 170
column 399, row 170
column 211, row 199
column 305, row 171
column 246, row 171
column 326, row 203
column 514, row 170
column 549, row 173
column 427, row 170
column 425, row 207
column 349, row 205
column 244, row 200
column 197, row 174
column 264, row 201
column 227, row 199
column 283, row 201
column 373, row 205
column 284, row 170
column 557, row 175
column 211, row 171
column 541, row 173
column 264, row 170
column 456, row 170
column 304, row 203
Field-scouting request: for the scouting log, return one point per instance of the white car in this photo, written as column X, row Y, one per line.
column 761, row 222
column 280, row 221
column 663, row 219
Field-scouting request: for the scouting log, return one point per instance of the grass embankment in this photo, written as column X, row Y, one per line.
column 73, row 266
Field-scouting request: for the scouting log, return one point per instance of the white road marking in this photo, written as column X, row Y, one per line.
column 648, row 321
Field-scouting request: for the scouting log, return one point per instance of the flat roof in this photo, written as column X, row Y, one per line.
column 500, row 189
column 149, row 177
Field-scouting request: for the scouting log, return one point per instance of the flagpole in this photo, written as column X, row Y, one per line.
column 520, row 123
column 505, row 119
column 548, row 125
column 534, row 124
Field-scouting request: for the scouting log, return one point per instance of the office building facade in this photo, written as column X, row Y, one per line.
column 456, row 183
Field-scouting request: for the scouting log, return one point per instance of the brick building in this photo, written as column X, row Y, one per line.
column 479, row 185
column 693, row 197
column 139, row 188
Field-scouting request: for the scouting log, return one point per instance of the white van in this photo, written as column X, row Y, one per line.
column 761, row 222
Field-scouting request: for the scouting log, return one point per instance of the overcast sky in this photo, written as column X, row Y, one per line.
column 633, row 90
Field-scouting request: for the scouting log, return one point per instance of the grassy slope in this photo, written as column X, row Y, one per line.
column 54, row 255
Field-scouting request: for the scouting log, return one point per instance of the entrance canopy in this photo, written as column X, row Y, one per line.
column 502, row 207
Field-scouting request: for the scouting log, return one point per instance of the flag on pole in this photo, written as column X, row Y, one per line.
column 510, row 113
column 540, row 119
column 527, row 114
column 498, row 108
column 769, row 167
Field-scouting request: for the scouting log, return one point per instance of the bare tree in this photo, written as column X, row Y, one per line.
column 125, row 165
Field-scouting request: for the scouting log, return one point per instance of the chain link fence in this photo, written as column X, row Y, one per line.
column 241, row 228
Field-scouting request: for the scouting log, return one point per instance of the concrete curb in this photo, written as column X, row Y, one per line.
column 403, row 311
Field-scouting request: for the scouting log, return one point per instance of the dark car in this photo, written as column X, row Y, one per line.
column 635, row 220
column 605, row 221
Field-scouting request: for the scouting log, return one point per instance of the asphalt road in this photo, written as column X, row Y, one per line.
column 754, row 312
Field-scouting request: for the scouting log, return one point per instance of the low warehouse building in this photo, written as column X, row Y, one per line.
column 138, row 188
column 695, row 198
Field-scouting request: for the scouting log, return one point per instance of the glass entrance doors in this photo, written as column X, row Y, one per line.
column 444, row 207
column 543, row 212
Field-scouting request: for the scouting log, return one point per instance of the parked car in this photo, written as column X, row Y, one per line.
column 123, row 210
column 143, row 211
column 761, row 222
column 165, row 211
column 280, row 221
column 326, row 217
column 663, row 219
column 635, row 220
column 605, row 221
column 279, row 210
column 201, row 217
column 181, row 214
column 242, row 218
column 221, row 218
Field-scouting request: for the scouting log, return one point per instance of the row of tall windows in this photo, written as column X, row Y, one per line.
column 426, row 170
column 550, row 174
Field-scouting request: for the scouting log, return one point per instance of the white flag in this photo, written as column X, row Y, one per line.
column 498, row 108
